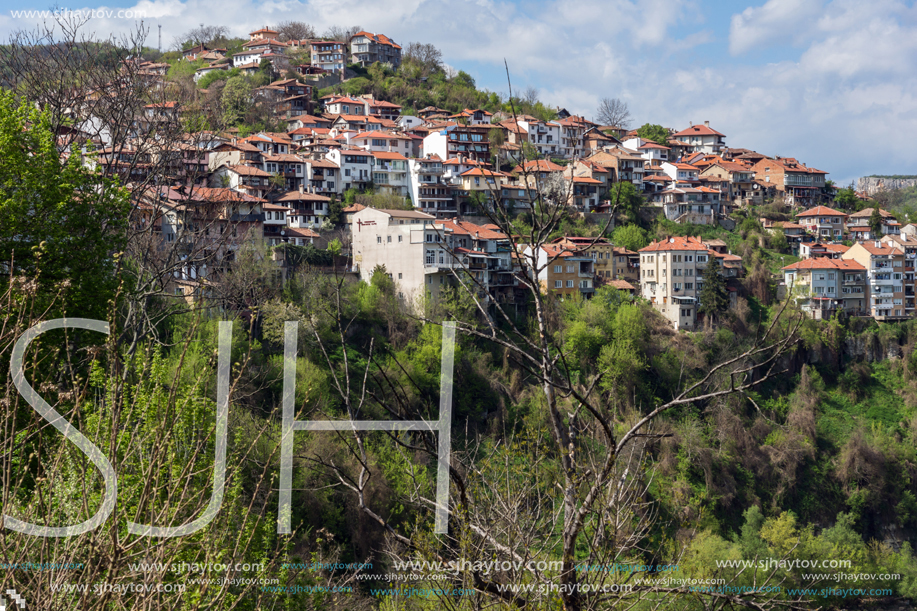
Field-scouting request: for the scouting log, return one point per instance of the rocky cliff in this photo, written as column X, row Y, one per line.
column 874, row 184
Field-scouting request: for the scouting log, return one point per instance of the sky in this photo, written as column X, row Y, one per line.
column 830, row 82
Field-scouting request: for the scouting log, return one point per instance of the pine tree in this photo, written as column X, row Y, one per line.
column 875, row 223
column 714, row 298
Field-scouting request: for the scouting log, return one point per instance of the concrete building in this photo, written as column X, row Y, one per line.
column 824, row 222
column 884, row 266
column 823, row 286
column 671, row 277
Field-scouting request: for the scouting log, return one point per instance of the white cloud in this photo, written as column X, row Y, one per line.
column 775, row 23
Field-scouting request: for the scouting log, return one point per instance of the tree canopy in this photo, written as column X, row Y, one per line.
column 656, row 133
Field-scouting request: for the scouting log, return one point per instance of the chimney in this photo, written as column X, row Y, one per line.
column 301, row 190
column 707, row 123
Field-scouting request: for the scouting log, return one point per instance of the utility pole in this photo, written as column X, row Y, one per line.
column 160, row 38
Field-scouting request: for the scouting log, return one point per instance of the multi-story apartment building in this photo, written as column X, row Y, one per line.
column 356, row 167
column 599, row 249
column 344, row 105
column 242, row 179
column 428, row 190
column 565, row 271
column 826, row 223
column 543, row 135
column 823, row 286
column 329, row 55
column 701, row 138
column 377, row 141
column 907, row 243
column 799, row 185
column 652, row 152
column 367, row 48
column 671, row 277
column 390, row 173
column 740, row 182
column 884, row 265
column 324, row 176
column 572, row 131
column 467, row 141
column 422, row 254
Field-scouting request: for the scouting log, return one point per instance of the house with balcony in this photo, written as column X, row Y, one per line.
column 390, row 173
column 543, row 135
column 344, row 105
column 473, row 117
column 367, row 48
column 308, row 209
column 565, row 271
column 428, row 190
column 290, row 167
column 823, row 286
column 739, row 182
column 684, row 174
column 811, row 250
column 246, row 179
column 378, row 141
column 698, row 206
column 610, row 262
column 884, row 265
column 799, row 185
column 908, row 244
column 323, row 176
column 701, row 138
column 328, row 55
column 653, row 153
column 572, row 133
column 859, row 229
column 355, row 165
column 823, row 222
column 451, row 141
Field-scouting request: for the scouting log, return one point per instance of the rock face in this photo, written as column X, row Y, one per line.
column 873, row 184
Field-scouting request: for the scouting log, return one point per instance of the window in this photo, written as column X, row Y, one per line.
column 388, row 239
column 569, row 284
column 378, row 239
column 347, row 172
column 558, row 284
column 399, row 238
column 685, row 312
column 830, row 276
column 569, row 269
column 557, row 269
column 399, row 275
column 689, row 286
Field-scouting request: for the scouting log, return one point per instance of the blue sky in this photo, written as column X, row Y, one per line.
column 830, row 82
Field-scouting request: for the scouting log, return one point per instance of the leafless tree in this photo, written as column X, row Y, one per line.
column 591, row 504
column 613, row 111
column 294, row 30
column 211, row 35
column 427, row 56
column 342, row 34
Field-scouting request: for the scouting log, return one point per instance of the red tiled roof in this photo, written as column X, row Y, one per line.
column 698, row 130
column 821, row 211
column 675, row 243
column 826, row 263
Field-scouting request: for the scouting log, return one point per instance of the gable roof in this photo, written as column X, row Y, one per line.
column 698, row 130
column 675, row 243
column 821, row 211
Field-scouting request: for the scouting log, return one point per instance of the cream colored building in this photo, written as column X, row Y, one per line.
column 671, row 277
column 884, row 265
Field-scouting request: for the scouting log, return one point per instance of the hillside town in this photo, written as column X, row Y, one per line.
column 443, row 174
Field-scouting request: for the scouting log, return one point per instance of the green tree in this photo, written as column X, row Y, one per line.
column 62, row 226
column 714, row 298
column 236, row 99
column 847, row 199
column 630, row 237
column 463, row 79
column 875, row 223
column 656, row 133
column 628, row 200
